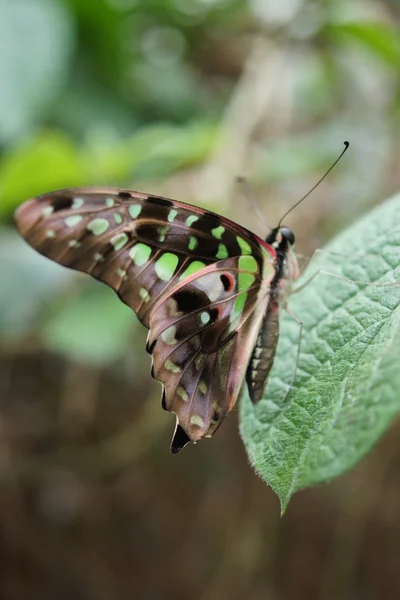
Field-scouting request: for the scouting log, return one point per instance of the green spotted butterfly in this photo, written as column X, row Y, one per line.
column 208, row 290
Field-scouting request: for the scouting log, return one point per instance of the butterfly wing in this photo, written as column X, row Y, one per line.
column 138, row 244
column 201, row 338
column 199, row 281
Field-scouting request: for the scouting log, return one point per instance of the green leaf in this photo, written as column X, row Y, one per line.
column 383, row 41
column 29, row 283
column 94, row 327
column 159, row 150
column 49, row 162
column 53, row 161
column 36, row 40
column 154, row 151
column 346, row 386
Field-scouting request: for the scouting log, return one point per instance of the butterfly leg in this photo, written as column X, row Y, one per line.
column 341, row 278
column 316, row 254
column 300, row 324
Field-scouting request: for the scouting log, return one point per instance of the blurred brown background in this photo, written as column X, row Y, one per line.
column 178, row 98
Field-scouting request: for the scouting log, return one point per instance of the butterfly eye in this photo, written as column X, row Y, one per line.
column 288, row 235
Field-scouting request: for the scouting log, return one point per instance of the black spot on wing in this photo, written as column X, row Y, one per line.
column 213, row 312
column 206, row 222
column 154, row 214
column 148, row 233
column 160, row 201
column 124, row 194
column 164, row 400
column 226, row 236
column 227, row 281
column 150, row 347
column 216, row 416
column 179, row 440
column 187, row 300
column 62, row 203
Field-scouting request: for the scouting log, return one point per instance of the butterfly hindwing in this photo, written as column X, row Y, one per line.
column 201, row 336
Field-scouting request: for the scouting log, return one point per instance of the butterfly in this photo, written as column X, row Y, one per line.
column 208, row 290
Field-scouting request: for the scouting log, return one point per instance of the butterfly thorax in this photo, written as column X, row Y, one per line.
column 286, row 270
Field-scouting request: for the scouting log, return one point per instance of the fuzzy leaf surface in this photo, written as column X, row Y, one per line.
column 346, row 389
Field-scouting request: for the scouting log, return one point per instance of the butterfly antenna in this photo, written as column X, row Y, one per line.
column 316, row 185
column 251, row 198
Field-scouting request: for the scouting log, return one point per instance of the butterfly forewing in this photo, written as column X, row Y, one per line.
column 140, row 245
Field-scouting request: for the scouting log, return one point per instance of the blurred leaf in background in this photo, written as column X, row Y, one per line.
column 37, row 39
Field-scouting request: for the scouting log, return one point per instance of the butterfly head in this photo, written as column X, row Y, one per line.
column 281, row 238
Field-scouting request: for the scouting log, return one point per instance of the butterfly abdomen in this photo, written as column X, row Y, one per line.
column 263, row 354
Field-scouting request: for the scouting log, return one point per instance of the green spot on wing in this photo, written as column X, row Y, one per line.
column 204, row 317
column 135, row 210
column 245, row 280
column 98, row 226
column 165, row 266
column 77, row 203
column 119, row 240
column 171, row 366
column 199, row 361
column 197, row 420
column 110, row 202
column 194, row 266
column 168, row 335
column 248, row 263
column 190, row 220
column 192, row 243
column 203, row 388
column 144, row 294
column 140, row 254
column 222, row 252
column 218, row 231
column 239, row 303
column 47, row 211
column 181, row 392
column 244, row 246
column 117, row 218
column 73, row 220
column 172, row 214
column 162, row 232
